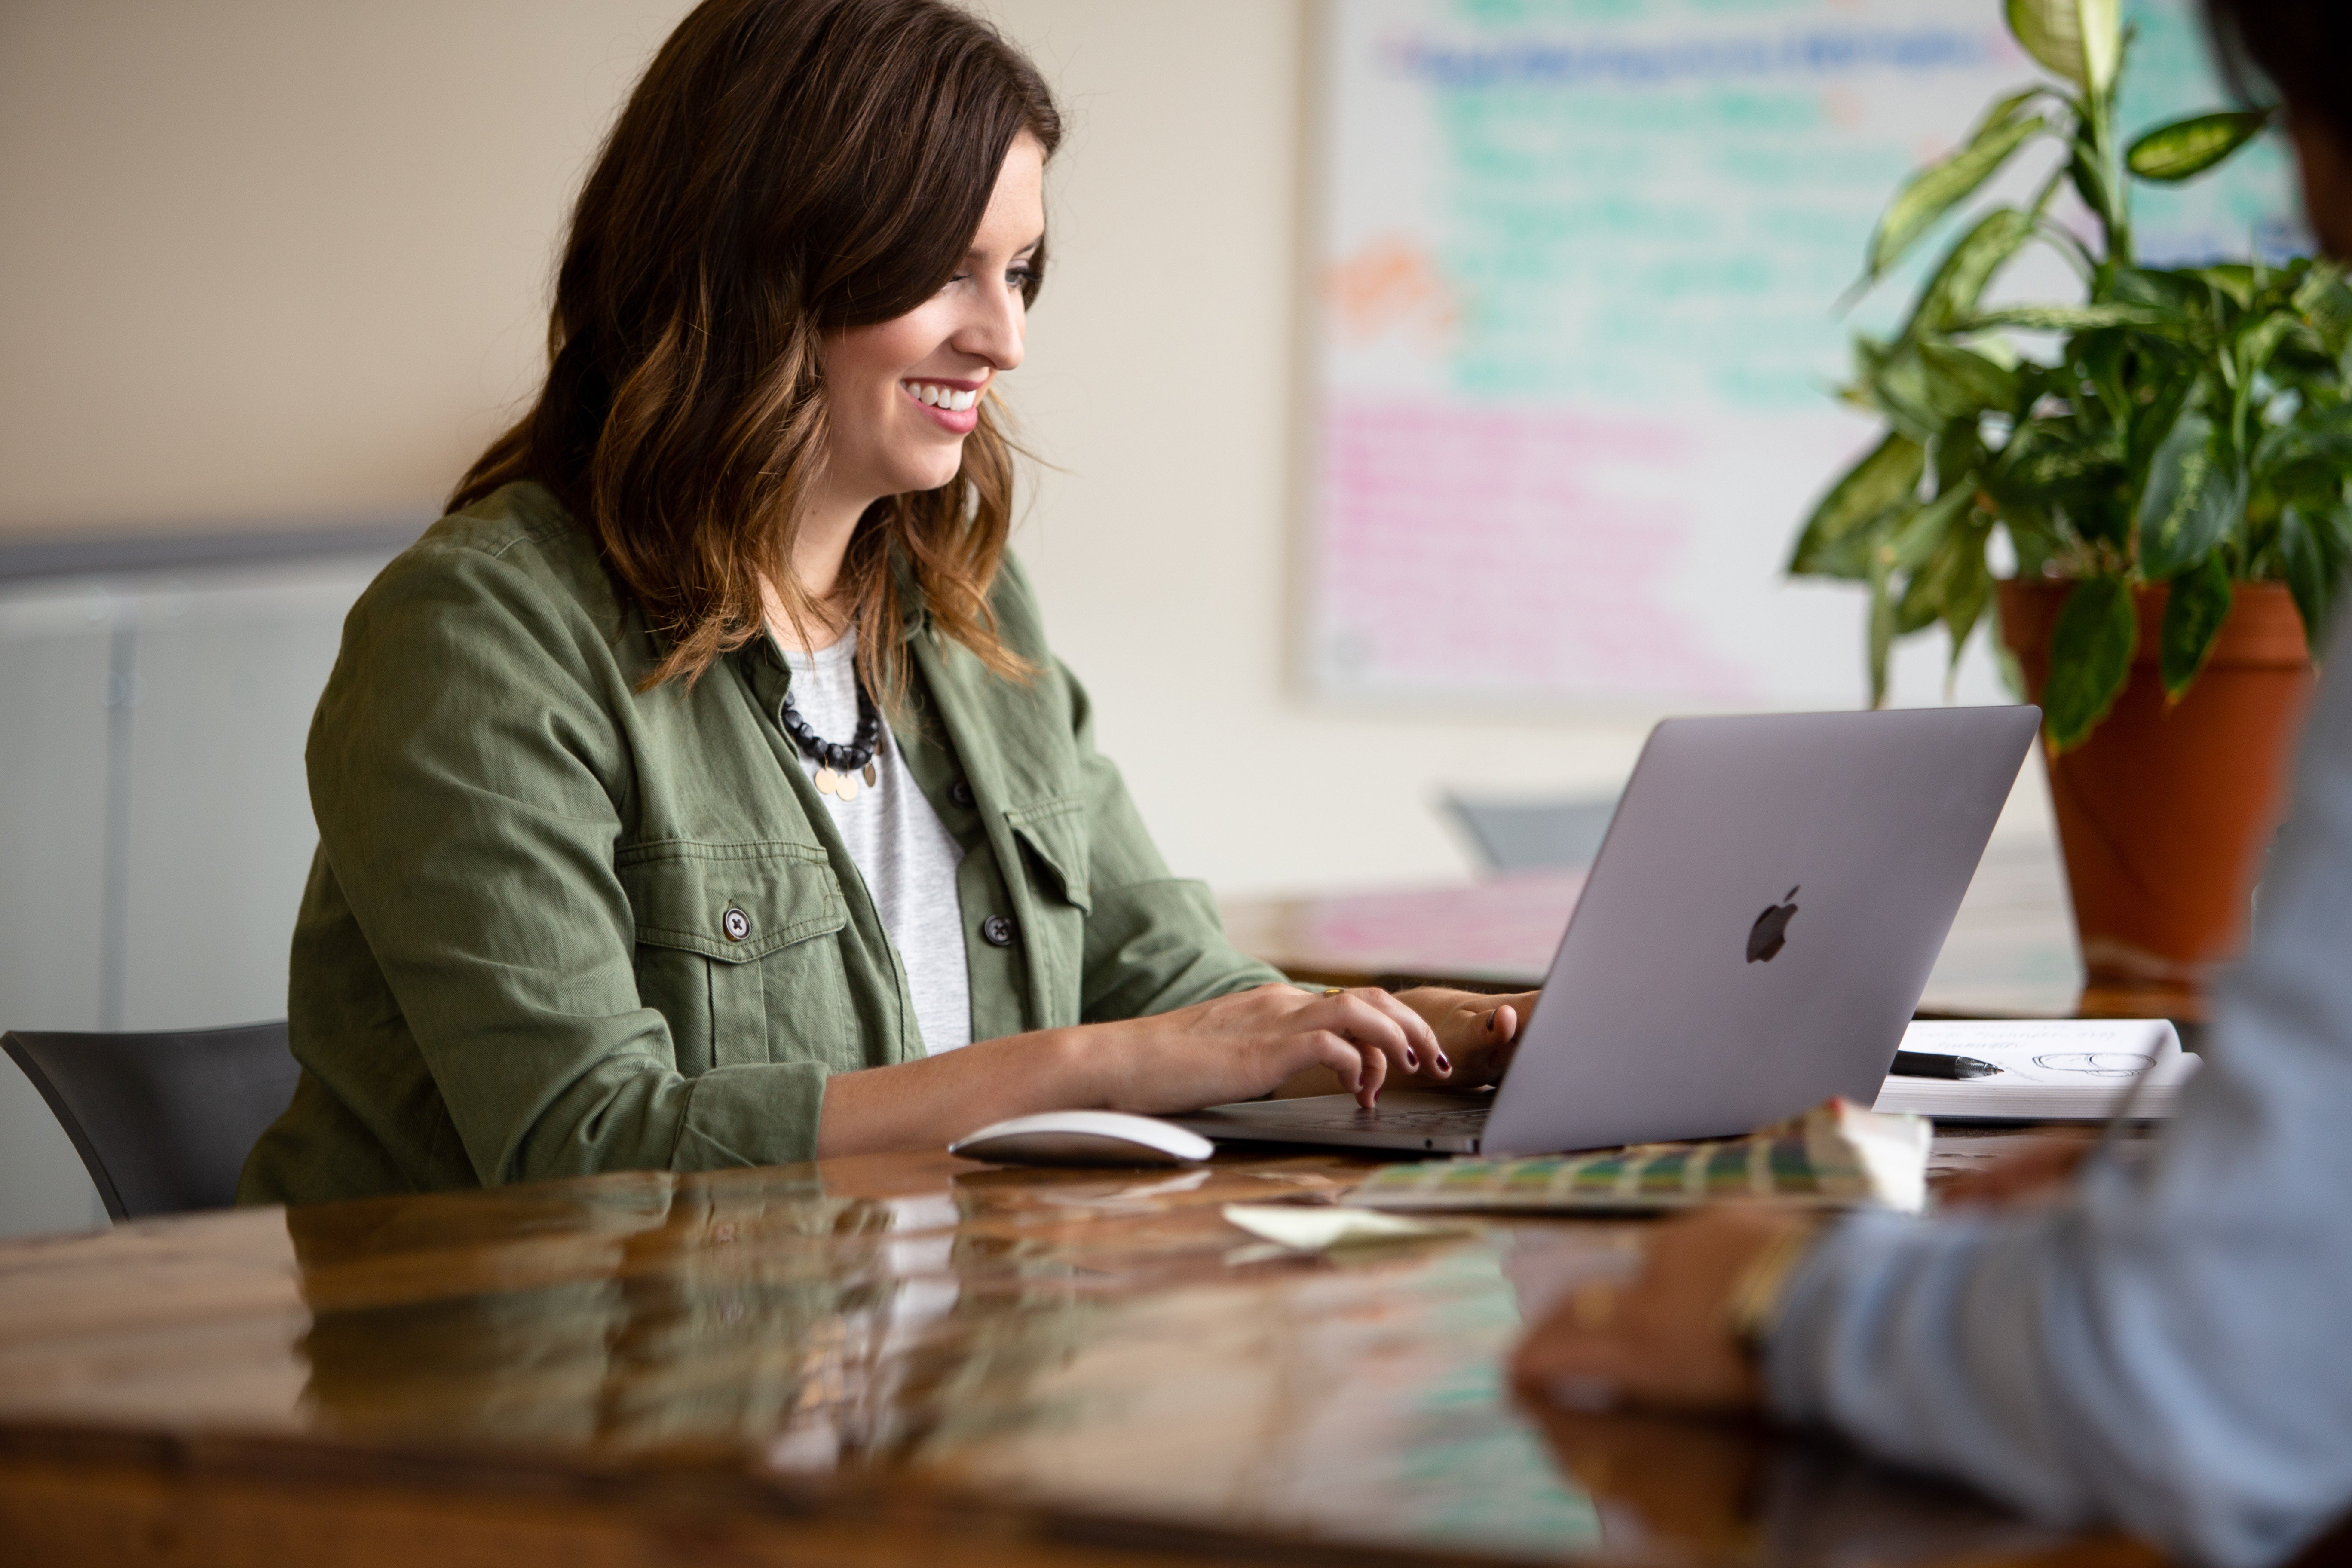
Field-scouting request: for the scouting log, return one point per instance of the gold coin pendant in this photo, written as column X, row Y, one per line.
column 827, row 780
column 848, row 788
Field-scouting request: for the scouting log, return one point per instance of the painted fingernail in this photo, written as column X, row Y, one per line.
column 1443, row 1065
column 1411, row 1062
column 1493, row 1020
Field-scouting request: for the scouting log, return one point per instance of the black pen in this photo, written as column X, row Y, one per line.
column 1929, row 1064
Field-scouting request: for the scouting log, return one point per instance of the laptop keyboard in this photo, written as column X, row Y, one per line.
column 1450, row 1119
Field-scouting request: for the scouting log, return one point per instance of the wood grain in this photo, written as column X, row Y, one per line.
column 876, row 1360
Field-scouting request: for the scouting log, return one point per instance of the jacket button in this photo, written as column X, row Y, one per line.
column 735, row 923
column 959, row 792
column 997, row 931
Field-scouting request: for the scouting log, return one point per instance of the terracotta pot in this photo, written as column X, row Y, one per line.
column 2165, row 816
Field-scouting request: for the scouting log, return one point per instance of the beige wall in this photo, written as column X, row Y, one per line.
column 275, row 258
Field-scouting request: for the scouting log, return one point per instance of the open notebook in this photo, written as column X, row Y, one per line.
column 2076, row 1069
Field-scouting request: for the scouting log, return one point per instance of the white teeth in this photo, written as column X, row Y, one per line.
column 955, row 400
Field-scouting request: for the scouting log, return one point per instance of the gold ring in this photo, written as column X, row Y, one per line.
column 1334, row 991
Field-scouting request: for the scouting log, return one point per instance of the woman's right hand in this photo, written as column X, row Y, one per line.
column 1252, row 1042
column 1234, row 1048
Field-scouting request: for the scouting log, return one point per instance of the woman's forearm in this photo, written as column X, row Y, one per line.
column 1236, row 1046
column 930, row 1103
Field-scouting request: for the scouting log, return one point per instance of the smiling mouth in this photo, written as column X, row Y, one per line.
column 939, row 394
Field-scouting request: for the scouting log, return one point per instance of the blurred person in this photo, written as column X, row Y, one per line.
column 702, row 791
column 2162, row 1345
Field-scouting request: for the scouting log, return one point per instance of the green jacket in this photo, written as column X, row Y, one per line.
column 512, row 960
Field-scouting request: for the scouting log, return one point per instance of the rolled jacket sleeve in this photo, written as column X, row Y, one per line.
column 467, row 774
column 2165, row 1349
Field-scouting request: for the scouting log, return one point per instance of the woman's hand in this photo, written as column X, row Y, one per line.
column 1234, row 1048
column 1254, row 1042
column 1668, row 1339
column 1477, row 1036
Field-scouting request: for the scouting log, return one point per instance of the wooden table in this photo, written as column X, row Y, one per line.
column 2011, row 951
column 905, row 1360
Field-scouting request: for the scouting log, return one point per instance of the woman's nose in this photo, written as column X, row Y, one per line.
column 993, row 330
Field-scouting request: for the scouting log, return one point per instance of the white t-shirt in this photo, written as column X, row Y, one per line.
column 906, row 855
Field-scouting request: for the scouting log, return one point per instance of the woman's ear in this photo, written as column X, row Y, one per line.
column 2326, row 166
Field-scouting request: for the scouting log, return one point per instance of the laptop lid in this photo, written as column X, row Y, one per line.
column 1760, row 922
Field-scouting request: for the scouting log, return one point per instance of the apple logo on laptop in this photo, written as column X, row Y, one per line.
column 1771, row 931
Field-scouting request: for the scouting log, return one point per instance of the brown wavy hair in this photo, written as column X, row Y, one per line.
column 786, row 169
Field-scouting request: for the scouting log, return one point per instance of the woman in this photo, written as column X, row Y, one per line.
column 2160, row 1346
column 698, row 789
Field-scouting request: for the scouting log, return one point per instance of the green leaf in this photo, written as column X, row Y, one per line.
column 1967, row 590
column 2195, row 491
column 1883, row 479
column 1938, row 188
column 2313, row 550
column 2322, row 437
column 1958, row 449
column 2235, row 280
column 1959, row 282
column 1934, row 548
column 1882, row 626
column 2044, row 458
column 2103, row 42
column 2088, row 172
column 2322, row 300
column 1919, row 537
column 2193, row 613
column 2090, row 652
column 2164, row 390
column 1968, row 379
column 2082, row 40
column 2259, row 338
column 1913, row 400
column 2187, row 148
column 2075, row 318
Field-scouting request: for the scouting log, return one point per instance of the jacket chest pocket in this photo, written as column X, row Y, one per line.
column 1053, row 837
column 725, row 931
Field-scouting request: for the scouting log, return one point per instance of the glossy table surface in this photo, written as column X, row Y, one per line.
column 1082, row 1366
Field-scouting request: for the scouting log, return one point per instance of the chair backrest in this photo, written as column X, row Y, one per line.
column 1528, row 836
column 164, row 1121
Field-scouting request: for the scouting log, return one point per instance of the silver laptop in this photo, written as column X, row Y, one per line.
column 1751, row 939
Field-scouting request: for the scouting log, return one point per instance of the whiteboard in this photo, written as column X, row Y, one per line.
column 1576, row 265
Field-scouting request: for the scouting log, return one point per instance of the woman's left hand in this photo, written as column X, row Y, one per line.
column 1477, row 1034
column 1666, row 1339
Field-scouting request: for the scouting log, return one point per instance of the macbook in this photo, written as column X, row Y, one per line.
column 1751, row 939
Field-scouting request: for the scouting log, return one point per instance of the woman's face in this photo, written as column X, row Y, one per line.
column 905, row 393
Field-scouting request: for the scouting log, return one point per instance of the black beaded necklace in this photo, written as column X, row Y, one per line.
column 837, row 765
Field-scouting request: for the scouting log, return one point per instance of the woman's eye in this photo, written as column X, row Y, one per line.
column 1020, row 277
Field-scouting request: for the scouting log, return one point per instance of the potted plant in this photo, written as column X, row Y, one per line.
column 2169, row 472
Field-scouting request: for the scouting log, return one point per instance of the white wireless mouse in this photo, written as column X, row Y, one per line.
column 1084, row 1138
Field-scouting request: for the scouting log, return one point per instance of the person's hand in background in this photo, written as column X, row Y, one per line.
column 1670, row 1338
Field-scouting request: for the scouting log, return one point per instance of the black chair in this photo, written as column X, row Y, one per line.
column 164, row 1121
